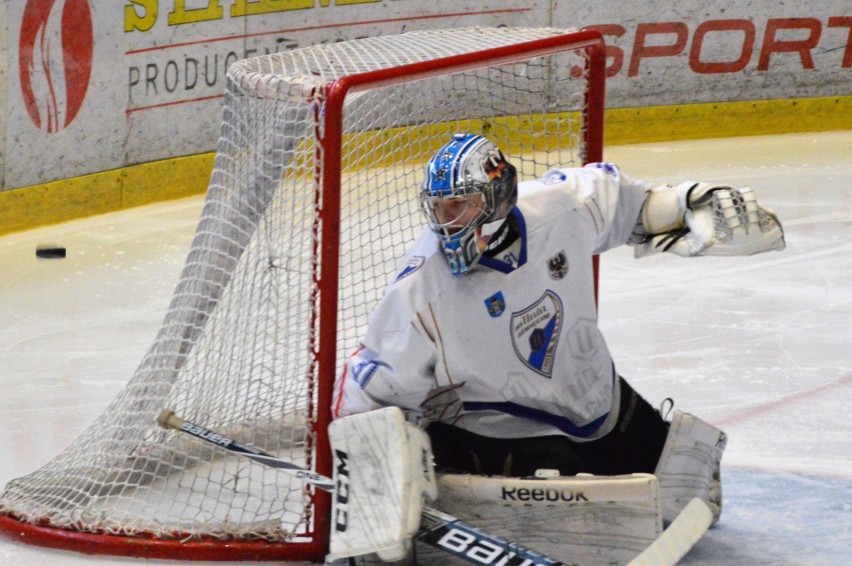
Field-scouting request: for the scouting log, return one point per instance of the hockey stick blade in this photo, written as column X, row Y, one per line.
column 441, row 530
column 687, row 528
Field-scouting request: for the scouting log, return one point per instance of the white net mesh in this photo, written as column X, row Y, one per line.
column 237, row 349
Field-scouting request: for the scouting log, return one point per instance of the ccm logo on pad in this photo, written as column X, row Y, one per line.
column 341, row 513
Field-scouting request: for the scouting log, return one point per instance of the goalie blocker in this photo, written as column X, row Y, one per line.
column 383, row 474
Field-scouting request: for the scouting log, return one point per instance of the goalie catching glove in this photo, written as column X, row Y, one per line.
column 694, row 219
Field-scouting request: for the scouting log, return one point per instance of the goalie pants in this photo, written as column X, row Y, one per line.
column 633, row 446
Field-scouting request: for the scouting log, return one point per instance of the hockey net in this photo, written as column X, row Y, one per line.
column 311, row 205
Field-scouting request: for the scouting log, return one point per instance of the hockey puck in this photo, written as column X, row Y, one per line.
column 51, row 252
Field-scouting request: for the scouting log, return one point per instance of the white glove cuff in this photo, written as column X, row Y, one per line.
column 663, row 209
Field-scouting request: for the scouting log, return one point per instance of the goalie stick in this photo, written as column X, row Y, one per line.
column 454, row 536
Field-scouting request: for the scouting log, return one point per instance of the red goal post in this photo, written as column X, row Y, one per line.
column 312, row 203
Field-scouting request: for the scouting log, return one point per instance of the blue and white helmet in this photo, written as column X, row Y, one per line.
column 468, row 183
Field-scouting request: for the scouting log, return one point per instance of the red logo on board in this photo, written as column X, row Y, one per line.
column 55, row 60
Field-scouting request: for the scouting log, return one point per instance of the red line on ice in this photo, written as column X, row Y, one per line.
column 790, row 398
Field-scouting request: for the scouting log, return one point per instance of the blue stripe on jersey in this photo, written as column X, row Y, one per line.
column 562, row 423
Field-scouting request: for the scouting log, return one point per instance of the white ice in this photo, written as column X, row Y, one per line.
column 761, row 346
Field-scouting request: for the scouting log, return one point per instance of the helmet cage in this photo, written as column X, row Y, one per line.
column 459, row 210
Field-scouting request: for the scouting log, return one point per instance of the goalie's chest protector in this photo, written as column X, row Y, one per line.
column 521, row 331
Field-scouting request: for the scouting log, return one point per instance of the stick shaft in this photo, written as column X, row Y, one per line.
column 168, row 419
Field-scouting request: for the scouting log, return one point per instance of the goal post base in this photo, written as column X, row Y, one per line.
column 141, row 546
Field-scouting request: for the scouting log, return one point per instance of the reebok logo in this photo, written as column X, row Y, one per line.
column 541, row 494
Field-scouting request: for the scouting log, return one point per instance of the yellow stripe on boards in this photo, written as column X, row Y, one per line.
column 107, row 191
column 727, row 119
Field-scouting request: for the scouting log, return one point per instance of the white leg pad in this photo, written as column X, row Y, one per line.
column 689, row 465
column 383, row 473
column 591, row 519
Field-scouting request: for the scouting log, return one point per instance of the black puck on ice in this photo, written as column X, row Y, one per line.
column 50, row 252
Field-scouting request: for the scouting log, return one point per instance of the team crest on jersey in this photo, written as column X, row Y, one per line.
column 557, row 266
column 495, row 304
column 535, row 333
column 413, row 264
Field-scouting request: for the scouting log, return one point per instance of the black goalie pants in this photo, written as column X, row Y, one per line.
column 633, row 446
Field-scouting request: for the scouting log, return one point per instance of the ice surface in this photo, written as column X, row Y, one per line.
column 761, row 346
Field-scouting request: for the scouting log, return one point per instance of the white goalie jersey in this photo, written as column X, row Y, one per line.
column 515, row 337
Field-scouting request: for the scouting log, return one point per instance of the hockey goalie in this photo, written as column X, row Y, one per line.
column 487, row 340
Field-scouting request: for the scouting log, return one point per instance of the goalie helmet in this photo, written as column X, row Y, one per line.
column 468, row 183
